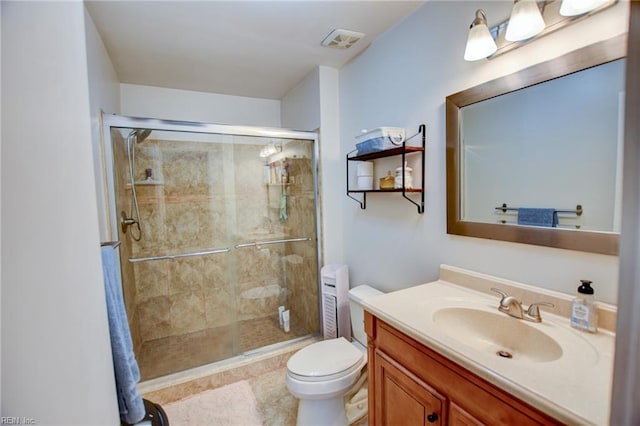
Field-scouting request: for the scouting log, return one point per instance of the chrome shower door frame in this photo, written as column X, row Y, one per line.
column 109, row 121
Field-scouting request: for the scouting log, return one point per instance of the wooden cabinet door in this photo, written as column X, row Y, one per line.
column 459, row 417
column 403, row 399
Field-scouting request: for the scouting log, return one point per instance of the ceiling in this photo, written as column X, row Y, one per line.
column 258, row 49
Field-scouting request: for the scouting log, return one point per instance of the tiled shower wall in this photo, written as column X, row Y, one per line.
column 300, row 259
column 213, row 195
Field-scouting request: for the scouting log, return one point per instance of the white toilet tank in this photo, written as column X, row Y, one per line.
column 356, row 296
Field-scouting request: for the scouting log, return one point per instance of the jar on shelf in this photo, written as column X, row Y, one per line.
column 387, row 182
column 408, row 178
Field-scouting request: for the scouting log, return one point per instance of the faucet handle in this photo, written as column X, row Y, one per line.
column 501, row 293
column 533, row 313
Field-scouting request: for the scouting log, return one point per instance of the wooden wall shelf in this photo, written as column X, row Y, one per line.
column 402, row 151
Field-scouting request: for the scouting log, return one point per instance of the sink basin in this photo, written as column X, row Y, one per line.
column 497, row 333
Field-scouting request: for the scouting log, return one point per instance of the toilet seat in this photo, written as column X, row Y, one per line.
column 326, row 360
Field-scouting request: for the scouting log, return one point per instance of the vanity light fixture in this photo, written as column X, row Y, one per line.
column 530, row 19
column 480, row 43
column 578, row 7
column 525, row 21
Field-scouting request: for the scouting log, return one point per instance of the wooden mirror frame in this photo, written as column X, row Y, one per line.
column 589, row 241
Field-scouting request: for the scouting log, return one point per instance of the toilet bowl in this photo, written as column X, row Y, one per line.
column 320, row 374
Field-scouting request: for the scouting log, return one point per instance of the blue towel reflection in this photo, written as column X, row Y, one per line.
column 538, row 217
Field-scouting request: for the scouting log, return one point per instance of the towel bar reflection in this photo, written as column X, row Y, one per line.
column 578, row 210
column 114, row 244
column 178, row 256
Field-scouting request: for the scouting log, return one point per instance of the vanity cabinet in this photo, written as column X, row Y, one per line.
column 402, row 152
column 411, row 384
column 402, row 398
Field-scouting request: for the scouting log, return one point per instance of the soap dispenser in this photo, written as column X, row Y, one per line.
column 584, row 314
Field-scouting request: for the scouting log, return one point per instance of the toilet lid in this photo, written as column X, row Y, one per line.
column 326, row 358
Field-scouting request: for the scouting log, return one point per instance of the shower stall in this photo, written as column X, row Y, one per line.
column 218, row 228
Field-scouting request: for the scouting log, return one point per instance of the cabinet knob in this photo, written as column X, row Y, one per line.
column 432, row 418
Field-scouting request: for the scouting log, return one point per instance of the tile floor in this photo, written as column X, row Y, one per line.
column 265, row 374
column 277, row 406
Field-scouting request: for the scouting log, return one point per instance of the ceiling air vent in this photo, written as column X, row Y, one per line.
column 342, row 39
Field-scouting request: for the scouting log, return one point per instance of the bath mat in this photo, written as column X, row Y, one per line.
column 230, row 405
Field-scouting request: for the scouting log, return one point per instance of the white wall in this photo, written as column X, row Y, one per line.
column 300, row 107
column 402, row 80
column 56, row 357
column 1, row 411
column 313, row 104
column 104, row 95
column 186, row 105
column 331, row 160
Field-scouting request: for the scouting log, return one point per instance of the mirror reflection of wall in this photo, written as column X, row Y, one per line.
column 555, row 145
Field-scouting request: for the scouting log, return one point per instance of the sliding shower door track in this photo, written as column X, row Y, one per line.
column 276, row 346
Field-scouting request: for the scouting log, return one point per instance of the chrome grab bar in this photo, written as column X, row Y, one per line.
column 177, row 256
column 264, row 243
column 216, row 251
column 114, row 244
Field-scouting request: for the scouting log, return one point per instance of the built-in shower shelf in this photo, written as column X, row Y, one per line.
column 149, row 182
column 146, row 182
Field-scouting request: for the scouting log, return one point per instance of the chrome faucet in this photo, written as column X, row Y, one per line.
column 509, row 304
column 512, row 307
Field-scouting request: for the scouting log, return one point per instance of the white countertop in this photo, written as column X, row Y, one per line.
column 574, row 388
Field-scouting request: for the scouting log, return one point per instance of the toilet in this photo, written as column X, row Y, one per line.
column 320, row 374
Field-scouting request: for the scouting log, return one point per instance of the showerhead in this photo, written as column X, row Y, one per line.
column 140, row 134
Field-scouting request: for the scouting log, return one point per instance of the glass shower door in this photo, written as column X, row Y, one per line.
column 275, row 245
column 227, row 235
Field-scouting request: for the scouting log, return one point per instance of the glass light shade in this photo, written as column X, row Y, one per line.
column 578, row 7
column 480, row 44
column 525, row 22
column 268, row 150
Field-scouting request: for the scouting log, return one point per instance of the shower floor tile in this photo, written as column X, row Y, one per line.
column 172, row 354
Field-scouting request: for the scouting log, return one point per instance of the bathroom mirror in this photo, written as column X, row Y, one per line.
column 548, row 136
